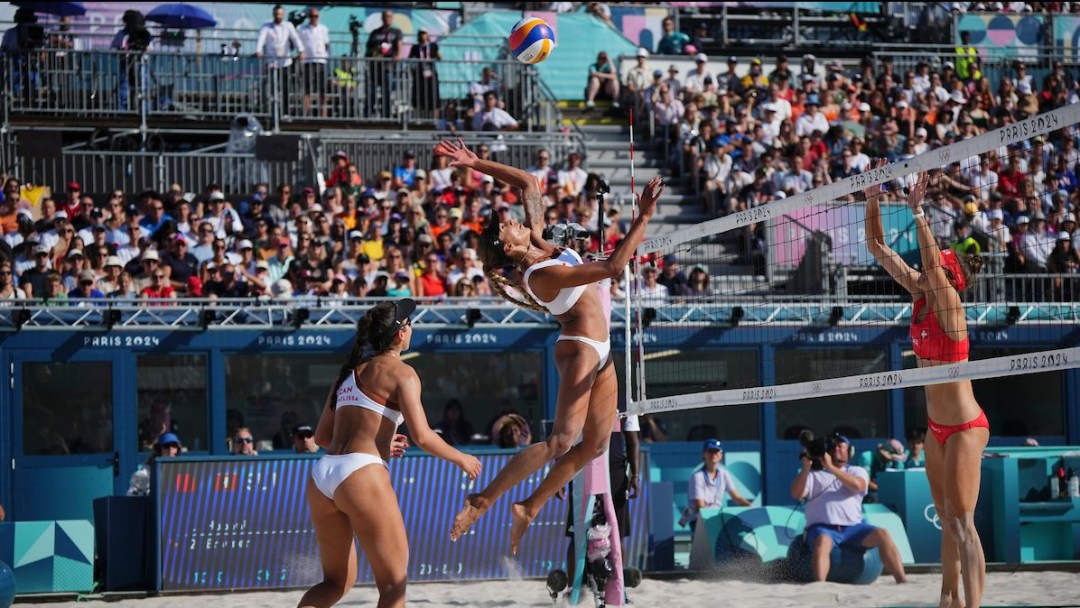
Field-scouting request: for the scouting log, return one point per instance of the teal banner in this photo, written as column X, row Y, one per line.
column 578, row 38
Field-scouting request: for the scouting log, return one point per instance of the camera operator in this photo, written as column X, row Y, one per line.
column 834, row 492
column 134, row 38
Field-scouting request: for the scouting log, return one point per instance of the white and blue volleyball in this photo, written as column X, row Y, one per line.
column 531, row 40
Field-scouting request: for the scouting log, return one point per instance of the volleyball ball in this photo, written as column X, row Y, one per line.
column 531, row 40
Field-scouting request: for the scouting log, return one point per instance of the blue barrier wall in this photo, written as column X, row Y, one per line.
column 57, row 485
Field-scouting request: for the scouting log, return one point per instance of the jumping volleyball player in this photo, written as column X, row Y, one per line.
column 557, row 281
column 349, row 492
column 958, row 424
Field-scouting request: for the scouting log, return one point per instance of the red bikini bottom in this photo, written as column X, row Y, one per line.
column 942, row 432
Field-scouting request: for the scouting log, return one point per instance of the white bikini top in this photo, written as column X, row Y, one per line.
column 567, row 296
column 351, row 394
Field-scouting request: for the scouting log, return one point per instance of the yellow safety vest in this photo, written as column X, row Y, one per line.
column 966, row 64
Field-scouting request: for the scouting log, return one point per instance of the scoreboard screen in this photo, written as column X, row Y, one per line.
column 243, row 523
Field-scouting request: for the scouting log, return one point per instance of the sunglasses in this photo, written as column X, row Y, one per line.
column 245, row 440
column 159, row 276
column 5, row 273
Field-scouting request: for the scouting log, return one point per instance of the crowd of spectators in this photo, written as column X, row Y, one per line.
column 408, row 231
column 748, row 134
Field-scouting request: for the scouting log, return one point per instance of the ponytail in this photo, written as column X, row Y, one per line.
column 370, row 330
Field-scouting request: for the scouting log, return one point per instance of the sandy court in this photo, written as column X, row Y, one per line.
column 1002, row 589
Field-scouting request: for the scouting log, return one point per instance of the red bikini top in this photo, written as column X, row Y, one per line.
column 930, row 341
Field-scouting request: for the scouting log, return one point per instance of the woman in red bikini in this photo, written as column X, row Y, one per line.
column 958, row 424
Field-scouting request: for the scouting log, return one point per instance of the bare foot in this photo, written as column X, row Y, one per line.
column 521, row 520
column 950, row 601
column 468, row 516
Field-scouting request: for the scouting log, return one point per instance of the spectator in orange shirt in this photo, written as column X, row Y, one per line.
column 432, row 283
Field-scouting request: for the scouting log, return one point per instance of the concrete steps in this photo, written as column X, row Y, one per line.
column 607, row 152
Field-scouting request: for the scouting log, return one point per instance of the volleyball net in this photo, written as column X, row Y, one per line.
column 791, row 270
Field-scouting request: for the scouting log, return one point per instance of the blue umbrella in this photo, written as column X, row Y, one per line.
column 181, row 16
column 62, row 9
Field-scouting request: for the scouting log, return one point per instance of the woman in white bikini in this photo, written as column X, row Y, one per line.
column 372, row 396
column 556, row 281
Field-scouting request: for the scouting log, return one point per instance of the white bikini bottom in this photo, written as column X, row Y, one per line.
column 603, row 349
column 330, row 471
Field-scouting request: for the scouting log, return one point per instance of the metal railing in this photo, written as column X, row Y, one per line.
column 372, row 150
column 77, row 85
column 134, row 171
column 331, row 313
column 464, row 313
column 379, row 151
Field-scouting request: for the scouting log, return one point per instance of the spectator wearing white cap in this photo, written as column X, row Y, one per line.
column 222, row 216
column 110, row 281
column 1037, row 243
column 695, row 80
column 921, row 145
column 997, row 232
column 602, row 75
column 637, row 77
column 74, row 264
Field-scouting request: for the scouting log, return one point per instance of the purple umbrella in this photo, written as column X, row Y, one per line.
column 62, row 9
column 181, row 16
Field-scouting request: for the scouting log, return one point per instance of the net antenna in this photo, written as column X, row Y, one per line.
column 798, row 282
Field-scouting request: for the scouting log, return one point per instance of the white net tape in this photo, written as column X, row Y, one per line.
column 1046, row 361
column 933, row 159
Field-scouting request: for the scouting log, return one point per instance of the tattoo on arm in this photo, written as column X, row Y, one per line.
column 534, row 206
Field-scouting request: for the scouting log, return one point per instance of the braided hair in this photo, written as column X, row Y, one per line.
column 371, row 330
column 490, row 251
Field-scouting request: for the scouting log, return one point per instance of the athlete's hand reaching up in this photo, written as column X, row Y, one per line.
column 918, row 192
column 459, row 154
column 650, row 196
column 469, row 465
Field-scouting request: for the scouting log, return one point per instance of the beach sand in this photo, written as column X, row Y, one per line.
column 1002, row 589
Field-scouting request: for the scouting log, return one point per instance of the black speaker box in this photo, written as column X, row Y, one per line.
column 277, row 147
column 40, row 144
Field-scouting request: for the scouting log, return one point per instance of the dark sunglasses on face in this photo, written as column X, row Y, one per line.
column 245, row 440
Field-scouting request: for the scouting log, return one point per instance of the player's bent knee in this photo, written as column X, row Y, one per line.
column 558, row 444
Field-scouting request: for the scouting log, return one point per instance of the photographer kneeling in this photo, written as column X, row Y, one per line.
column 834, row 491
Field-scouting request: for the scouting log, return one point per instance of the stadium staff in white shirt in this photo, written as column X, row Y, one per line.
column 315, row 43
column 273, row 46
column 834, row 492
column 708, row 485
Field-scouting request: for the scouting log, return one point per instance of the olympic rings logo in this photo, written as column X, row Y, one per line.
column 944, row 155
column 930, row 513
